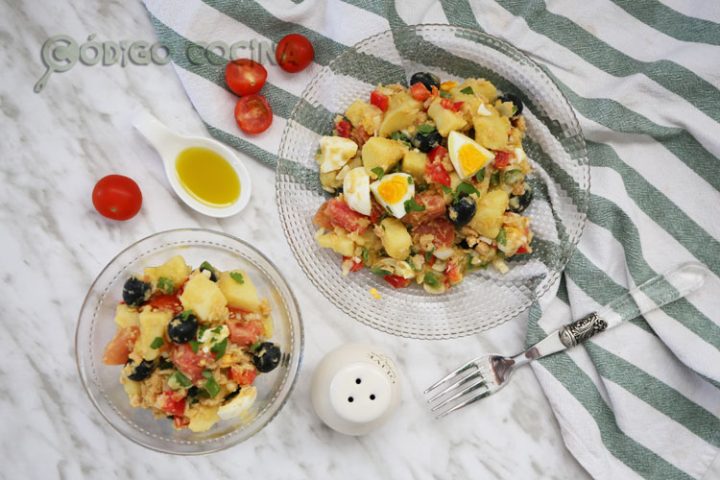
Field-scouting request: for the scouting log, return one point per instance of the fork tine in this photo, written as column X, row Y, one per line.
column 459, row 383
column 475, row 386
column 465, row 403
column 450, row 375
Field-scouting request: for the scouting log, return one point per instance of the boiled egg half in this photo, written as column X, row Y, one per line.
column 356, row 188
column 466, row 155
column 392, row 191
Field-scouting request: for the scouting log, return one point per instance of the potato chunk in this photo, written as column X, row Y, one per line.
column 204, row 298
column 445, row 120
column 363, row 114
column 152, row 326
column 126, row 316
column 414, row 163
column 202, row 418
column 339, row 244
column 492, row 131
column 175, row 270
column 402, row 112
column 381, row 152
column 241, row 295
column 489, row 214
column 395, row 239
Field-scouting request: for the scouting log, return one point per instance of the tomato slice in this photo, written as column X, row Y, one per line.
column 397, row 281
column 435, row 172
column 502, row 160
column 245, row 76
column 188, row 362
column 253, row 114
column 294, row 53
column 379, row 100
column 434, row 204
column 170, row 303
column 243, row 375
column 441, row 229
column 118, row 349
column 245, row 333
column 117, row 197
column 343, row 128
column 419, row 91
column 336, row 213
column 448, row 104
column 173, row 404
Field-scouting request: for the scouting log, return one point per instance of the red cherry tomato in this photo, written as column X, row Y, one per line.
column 397, row 281
column 435, row 172
column 294, row 53
column 245, row 76
column 441, row 229
column 434, row 204
column 419, row 92
column 117, row 197
column 502, row 160
column 253, row 114
column 437, row 153
column 170, row 303
column 379, row 100
column 189, row 362
column 336, row 213
column 118, row 349
column 245, row 333
column 243, row 375
column 343, row 128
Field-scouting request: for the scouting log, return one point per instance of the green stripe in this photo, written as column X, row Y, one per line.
column 670, row 75
column 671, row 22
column 640, row 459
column 656, row 393
column 368, row 68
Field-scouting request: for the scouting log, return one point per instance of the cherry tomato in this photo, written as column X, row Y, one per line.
column 437, row 153
column 189, row 362
column 379, row 100
column 245, row 333
column 397, row 281
column 435, row 172
column 448, row 104
column 294, row 53
column 253, row 114
column 170, row 303
column 245, row 76
column 434, row 204
column 243, row 375
column 441, row 229
column 118, row 349
column 343, row 128
column 419, row 92
column 173, row 405
column 502, row 160
column 336, row 213
column 117, row 197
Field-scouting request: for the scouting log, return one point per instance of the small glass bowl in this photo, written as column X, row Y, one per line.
column 554, row 143
column 96, row 327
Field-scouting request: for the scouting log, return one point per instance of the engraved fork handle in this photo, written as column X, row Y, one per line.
column 653, row 294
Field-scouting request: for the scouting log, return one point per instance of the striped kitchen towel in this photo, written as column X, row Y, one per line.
column 642, row 400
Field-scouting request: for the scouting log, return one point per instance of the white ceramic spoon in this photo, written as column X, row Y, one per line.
column 169, row 144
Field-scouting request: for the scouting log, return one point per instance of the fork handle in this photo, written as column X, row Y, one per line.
column 653, row 294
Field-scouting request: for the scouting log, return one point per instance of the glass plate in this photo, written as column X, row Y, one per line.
column 96, row 327
column 554, row 144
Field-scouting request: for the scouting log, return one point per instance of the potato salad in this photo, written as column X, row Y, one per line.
column 191, row 343
column 428, row 182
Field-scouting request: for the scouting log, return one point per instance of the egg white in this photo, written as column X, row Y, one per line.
column 397, row 209
column 356, row 188
column 456, row 140
column 335, row 152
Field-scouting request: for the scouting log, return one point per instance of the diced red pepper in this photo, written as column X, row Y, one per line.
column 355, row 265
column 448, row 104
column 435, row 172
column 397, row 281
column 419, row 91
column 379, row 100
column 502, row 160
column 181, row 422
column 174, row 405
column 243, row 375
column 437, row 153
column 452, row 273
column 343, row 128
column 522, row 249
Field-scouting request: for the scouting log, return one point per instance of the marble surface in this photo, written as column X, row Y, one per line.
column 54, row 146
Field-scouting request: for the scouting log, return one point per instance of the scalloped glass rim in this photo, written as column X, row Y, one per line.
column 554, row 143
column 95, row 327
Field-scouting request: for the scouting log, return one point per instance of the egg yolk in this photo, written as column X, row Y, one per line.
column 471, row 159
column 393, row 189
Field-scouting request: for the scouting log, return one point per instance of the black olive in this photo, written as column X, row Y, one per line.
column 183, row 327
column 232, row 395
column 509, row 97
column 266, row 357
column 136, row 292
column 205, row 266
column 464, row 244
column 165, row 364
column 426, row 78
column 462, row 210
column 426, row 141
column 142, row 370
column 518, row 204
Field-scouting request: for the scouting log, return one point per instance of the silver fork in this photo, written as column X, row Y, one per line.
column 486, row 374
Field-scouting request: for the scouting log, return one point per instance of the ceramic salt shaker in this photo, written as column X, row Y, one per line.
column 355, row 389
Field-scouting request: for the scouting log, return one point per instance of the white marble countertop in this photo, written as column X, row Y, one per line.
column 55, row 146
